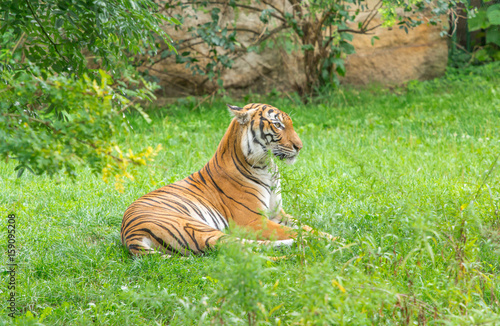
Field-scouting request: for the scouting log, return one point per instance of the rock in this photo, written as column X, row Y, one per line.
column 397, row 56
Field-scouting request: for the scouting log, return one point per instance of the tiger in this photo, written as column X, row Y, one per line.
column 240, row 185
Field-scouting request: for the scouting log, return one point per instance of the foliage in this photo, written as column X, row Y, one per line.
column 487, row 18
column 60, row 36
column 58, row 123
column 56, row 112
column 407, row 177
column 238, row 277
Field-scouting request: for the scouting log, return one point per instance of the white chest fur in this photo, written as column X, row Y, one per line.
column 272, row 192
column 268, row 176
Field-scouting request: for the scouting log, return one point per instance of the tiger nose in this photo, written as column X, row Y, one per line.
column 297, row 146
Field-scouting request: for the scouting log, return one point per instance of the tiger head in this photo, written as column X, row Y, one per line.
column 265, row 129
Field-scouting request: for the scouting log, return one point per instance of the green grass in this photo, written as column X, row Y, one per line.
column 406, row 177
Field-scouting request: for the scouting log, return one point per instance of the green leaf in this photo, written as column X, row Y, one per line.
column 493, row 14
column 480, row 21
column 20, row 171
column 46, row 312
column 340, row 68
column 29, row 315
column 373, row 39
column 482, row 55
column 493, row 35
column 173, row 20
column 324, row 74
column 347, row 36
column 307, row 47
column 347, row 47
column 59, row 22
column 144, row 114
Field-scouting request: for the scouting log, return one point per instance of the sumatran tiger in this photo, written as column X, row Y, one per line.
column 240, row 184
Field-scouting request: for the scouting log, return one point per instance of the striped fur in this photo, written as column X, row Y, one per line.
column 240, row 184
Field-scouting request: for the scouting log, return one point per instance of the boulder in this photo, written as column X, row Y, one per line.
column 397, row 57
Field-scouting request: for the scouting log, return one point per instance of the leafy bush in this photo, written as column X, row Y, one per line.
column 487, row 18
column 58, row 123
column 60, row 35
column 56, row 112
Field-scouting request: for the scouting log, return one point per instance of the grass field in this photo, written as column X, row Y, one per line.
column 408, row 178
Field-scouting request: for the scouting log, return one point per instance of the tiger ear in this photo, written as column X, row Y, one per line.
column 241, row 115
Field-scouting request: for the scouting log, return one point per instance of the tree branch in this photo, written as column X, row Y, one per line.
column 354, row 31
column 271, row 33
column 372, row 15
column 46, row 123
column 244, row 30
column 274, row 7
column 296, row 5
column 237, row 5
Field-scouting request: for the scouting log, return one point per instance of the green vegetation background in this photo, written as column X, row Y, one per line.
column 407, row 177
